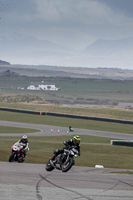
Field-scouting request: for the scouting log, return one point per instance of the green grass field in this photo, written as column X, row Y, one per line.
column 65, row 122
column 41, row 148
column 6, row 129
column 97, row 112
column 73, row 90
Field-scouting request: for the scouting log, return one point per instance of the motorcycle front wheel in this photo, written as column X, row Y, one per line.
column 20, row 159
column 49, row 167
column 11, row 158
column 66, row 167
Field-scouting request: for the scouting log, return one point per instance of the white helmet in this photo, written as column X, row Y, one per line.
column 24, row 138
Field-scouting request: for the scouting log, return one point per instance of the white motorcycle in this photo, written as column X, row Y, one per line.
column 17, row 154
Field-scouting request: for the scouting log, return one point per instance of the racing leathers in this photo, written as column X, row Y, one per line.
column 25, row 146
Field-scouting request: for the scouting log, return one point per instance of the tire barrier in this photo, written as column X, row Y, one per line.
column 128, row 143
column 67, row 115
column 90, row 118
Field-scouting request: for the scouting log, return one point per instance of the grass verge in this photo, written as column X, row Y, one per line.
column 65, row 122
column 41, row 148
column 115, row 113
column 10, row 129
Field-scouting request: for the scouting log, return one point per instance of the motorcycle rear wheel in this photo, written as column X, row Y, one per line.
column 49, row 167
column 68, row 165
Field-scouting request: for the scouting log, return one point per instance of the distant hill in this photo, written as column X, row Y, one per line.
column 28, row 46
column 107, row 47
column 100, row 54
column 108, row 54
column 4, row 62
column 71, row 72
column 8, row 73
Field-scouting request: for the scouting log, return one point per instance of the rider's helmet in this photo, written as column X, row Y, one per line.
column 76, row 140
column 24, row 139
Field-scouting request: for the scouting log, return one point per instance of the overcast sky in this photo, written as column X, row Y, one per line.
column 72, row 23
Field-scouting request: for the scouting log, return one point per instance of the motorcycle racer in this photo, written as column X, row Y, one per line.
column 70, row 128
column 75, row 142
column 23, row 142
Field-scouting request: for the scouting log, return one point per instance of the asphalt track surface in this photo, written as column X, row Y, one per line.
column 45, row 130
column 25, row 181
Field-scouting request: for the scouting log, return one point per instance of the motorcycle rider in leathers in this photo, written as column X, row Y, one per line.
column 75, row 142
column 23, row 142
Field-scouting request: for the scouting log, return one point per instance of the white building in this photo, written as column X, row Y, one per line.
column 50, row 87
column 47, row 87
column 32, row 87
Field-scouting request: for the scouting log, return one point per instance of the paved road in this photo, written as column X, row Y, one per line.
column 25, row 181
column 45, row 130
column 32, row 182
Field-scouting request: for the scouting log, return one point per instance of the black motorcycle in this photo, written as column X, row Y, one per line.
column 63, row 161
column 16, row 154
column 70, row 129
